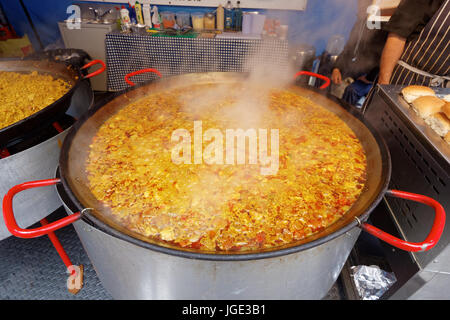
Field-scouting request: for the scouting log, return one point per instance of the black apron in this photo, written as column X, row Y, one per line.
column 426, row 60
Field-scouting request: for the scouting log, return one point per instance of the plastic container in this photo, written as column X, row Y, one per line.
column 247, row 19
column 198, row 20
column 282, row 31
column 138, row 28
column 258, row 23
column 210, row 21
column 168, row 19
column 183, row 19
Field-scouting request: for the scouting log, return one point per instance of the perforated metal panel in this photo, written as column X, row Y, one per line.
column 126, row 53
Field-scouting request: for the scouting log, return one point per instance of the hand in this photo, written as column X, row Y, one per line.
column 364, row 79
column 383, row 80
column 336, row 76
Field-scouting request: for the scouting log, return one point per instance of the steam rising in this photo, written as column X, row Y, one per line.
column 251, row 98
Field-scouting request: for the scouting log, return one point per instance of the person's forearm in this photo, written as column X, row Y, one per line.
column 392, row 52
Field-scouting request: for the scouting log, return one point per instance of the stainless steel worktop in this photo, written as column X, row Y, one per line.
column 432, row 138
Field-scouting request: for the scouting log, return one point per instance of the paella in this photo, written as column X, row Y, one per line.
column 23, row 94
column 224, row 207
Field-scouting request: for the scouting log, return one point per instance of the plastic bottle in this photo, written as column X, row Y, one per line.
column 229, row 17
column 124, row 16
column 183, row 19
column 119, row 20
column 125, row 22
column 139, row 16
column 237, row 17
column 147, row 15
column 155, row 18
column 210, row 21
column 220, row 18
column 132, row 13
column 168, row 19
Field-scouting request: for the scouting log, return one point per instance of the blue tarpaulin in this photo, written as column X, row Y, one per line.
column 321, row 20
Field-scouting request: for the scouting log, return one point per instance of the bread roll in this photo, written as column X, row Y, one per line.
column 447, row 98
column 411, row 93
column 439, row 123
column 427, row 105
column 446, row 109
column 447, row 137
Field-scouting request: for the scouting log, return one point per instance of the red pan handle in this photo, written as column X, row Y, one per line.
column 10, row 221
column 432, row 238
column 4, row 153
column 140, row 72
column 90, row 64
column 308, row 73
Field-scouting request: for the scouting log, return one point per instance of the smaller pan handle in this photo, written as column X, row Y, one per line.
column 308, row 73
column 95, row 73
column 11, row 223
column 432, row 238
column 140, row 72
